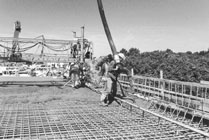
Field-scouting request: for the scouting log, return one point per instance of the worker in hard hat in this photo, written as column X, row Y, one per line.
column 114, row 69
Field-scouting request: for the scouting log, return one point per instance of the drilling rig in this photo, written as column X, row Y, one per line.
column 15, row 55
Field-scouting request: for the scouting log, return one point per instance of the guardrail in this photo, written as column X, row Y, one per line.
column 190, row 95
column 161, row 106
column 184, row 102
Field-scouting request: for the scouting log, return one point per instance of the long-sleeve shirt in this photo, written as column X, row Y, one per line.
column 115, row 69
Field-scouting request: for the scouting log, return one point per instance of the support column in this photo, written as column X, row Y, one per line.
column 82, row 44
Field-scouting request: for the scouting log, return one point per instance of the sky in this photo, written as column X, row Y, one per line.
column 149, row 25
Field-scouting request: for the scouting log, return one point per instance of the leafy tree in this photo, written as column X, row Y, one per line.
column 133, row 51
column 124, row 51
column 187, row 66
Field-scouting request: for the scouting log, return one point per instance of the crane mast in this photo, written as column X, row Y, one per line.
column 15, row 54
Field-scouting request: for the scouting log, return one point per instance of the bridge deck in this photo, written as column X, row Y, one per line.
column 81, row 117
column 82, row 120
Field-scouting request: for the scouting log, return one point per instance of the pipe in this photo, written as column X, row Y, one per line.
column 106, row 28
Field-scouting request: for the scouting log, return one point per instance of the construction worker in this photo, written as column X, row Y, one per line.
column 115, row 68
column 74, row 74
column 82, row 73
column 104, row 69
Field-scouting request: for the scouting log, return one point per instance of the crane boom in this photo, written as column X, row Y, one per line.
column 106, row 28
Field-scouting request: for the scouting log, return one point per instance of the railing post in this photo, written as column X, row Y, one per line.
column 143, row 113
column 162, row 83
column 130, row 107
column 132, row 72
column 161, row 74
column 132, row 81
column 159, row 120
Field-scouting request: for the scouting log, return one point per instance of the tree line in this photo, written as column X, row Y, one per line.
column 182, row 66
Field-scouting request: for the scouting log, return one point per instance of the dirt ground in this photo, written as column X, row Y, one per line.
column 44, row 94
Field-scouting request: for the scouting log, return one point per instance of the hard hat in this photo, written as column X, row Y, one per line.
column 116, row 58
column 122, row 56
column 119, row 56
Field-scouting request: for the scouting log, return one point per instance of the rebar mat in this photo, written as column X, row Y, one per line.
column 84, row 120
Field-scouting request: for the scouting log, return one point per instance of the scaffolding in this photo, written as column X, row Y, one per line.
column 48, row 50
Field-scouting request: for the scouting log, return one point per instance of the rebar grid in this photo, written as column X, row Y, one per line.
column 189, row 110
column 84, row 120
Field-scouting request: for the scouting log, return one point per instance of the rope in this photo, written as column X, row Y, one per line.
column 27, row 48
column 5, row 47
column 51, row 48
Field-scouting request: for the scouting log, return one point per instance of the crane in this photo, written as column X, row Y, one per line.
column 15, row 54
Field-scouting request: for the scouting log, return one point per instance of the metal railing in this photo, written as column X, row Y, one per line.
column 183, row 102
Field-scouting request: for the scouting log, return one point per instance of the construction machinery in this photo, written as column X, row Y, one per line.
column 15, row 55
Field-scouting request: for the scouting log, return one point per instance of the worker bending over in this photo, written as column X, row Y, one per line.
column 115, row 68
